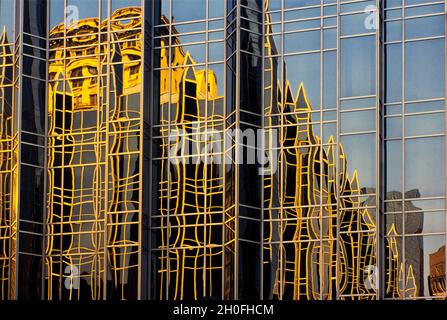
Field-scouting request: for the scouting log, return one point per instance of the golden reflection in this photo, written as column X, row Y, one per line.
column 8, row 170
column 321, row 237
column 191, row 192
column 320, row 232
column 93, row 157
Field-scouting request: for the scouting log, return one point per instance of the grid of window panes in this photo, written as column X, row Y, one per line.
column 191, row 210
column 351, row 204
column 248, row 120
column 22, row 147
column 326, row 48
column 414, row 98
column 94, row 150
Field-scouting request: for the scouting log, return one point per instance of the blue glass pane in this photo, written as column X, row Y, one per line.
column 392, row 3
column 305, row 68
column 393, row 14
column 393, row 73
column 422, row 172
column 356, row 121
column 84, row 9
column 357, row 103
column 216, row 8
column 187, row 10
column 414, row 11
column 424, row 69
column 432, row 123
column 302, row 41
column 393, row 127
column 354, row 24
column 302, row 14
column 330, row 79
column 358, row 66
column 425, row 106
column 7, row 18
column 393, row 31
column 393, row 166
column 424, row 27
column 357, row 6
column 410, row 2
column 273, row 4
column 360, row 153
column 56, row 12
column 300, row 3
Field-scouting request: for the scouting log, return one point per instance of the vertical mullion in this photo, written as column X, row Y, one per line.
column 18, row 109
column 380, row 274
column 262, row 148
column 64, row 79
column 337, row 153
column 205, row 168
column 237, row 153
column 141, row 151
column 45, row 168
column 379, row 148
column 97, row 149
column 445, row 146
column 320, row 155
column 224, row 154
column 150, row 151
column 403, row 213
column 168, row 178
column 282, row 158
column 106, row 151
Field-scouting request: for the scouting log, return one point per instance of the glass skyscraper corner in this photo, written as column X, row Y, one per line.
column 222, row 149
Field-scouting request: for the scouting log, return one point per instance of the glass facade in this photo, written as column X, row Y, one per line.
column 222, row 149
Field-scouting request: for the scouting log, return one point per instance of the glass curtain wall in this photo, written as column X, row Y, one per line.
column 414, row 131
column 222, row 149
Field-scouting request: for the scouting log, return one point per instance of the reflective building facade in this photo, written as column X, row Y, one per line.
column 211, row 149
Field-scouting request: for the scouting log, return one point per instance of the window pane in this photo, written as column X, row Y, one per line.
column 424, row 65
column 393, row 169
column 358, row 66
column 354, row 24
column 424, row 124
column 393, row 127
column 186, row 10
column 330, row 79
column 302, row 41
column 425, row 255
column 424, row 27
column 360, row 153
column 393, row 31
column 358, row 121
column 424, row 166
column 393, row 70
column 306, row 69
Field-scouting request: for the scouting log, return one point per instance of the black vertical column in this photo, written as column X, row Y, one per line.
column 31, row 108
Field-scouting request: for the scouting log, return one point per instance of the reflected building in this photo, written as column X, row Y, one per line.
column 207, row 149
column 436, row 279
column 410, row 274
column 94, row 115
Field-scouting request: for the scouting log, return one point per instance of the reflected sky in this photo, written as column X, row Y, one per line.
column 360, row 153
column 309, row 73
column 424, row 69
column 7, row 17
column 431, row 244
column 358, row 66
column 86, row 8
